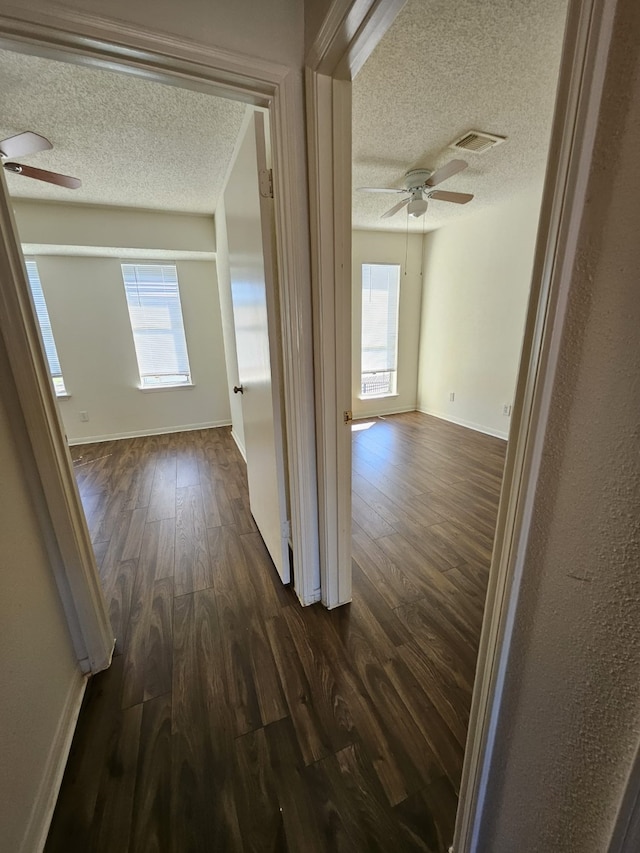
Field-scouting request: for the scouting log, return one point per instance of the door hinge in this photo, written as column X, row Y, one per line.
column 286, row 529
column 348, row 416
column 265, row 177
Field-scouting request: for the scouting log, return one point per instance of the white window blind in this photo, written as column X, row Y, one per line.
column 156, row 320
column 45, row 327
column 380, row 295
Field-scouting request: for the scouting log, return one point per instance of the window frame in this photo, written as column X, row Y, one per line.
column 136, row 334
column 393, row 383
column 46, row 333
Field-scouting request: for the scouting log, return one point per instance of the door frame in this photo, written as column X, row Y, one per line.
column 103, row 43
column 349, row 34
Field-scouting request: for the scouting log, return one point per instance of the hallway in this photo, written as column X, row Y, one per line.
column 228, row 702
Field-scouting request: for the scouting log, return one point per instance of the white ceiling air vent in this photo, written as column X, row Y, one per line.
column 477, row 141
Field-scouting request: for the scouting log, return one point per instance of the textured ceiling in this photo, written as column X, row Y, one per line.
column 445, row 68
column 133, row 143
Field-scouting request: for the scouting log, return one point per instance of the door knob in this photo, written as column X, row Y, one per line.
column 238, row 389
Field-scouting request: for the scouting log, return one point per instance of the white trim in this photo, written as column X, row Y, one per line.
column 141, row 433
column 378, row 396
column 582, row 73
column 504, row 434
column 349, row 33
column 290, row 185
column 44, row 801
column 315, row 598
column 239, row 444
column 626, row 833
column 153, row 388
column 329, row 124
column 96, row 41
column 44, row 453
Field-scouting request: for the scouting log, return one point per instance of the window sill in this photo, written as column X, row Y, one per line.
column 377, row 396
column 165, row 388
column 63, row 396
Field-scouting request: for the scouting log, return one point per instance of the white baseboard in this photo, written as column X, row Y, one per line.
column 115, row 436
column 239, row 444
column 44, row 802
column 504, row 434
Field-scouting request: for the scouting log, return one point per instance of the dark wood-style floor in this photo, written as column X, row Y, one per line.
column 232, row 719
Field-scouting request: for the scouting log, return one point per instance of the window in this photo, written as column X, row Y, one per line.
column 156, row 320
column 380, row 293
column 45, row 328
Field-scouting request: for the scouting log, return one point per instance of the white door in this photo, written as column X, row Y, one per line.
column 250, row 233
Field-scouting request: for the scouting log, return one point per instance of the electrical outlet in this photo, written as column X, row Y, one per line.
column 506, row 410
column 452, row 396
column 84, row 416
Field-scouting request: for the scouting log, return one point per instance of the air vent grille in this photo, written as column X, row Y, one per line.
column 477, row 141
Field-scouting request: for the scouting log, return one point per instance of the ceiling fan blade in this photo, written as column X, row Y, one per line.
column 378, row 190
column 44, row 175
column 396, row 208
column 456, row 198
column 23, row 144
column 447, row 171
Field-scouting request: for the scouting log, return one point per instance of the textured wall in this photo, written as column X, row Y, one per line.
column 477, row 274
column 572, row 717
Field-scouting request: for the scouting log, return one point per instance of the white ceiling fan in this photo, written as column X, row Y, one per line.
column 27, row 143
column 418, row 185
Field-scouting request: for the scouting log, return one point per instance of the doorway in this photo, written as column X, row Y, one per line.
column 85, row 613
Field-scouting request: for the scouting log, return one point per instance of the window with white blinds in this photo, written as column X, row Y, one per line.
column 156, row 321
column 379, row 355
column 45, row 327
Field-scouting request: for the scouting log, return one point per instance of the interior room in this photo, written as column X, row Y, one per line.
column 432, row 413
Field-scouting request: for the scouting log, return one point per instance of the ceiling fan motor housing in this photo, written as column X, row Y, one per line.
column 416, row 178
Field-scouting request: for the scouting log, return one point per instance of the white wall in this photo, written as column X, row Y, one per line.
column 228, row 327
column 385, row 247
column 477, row 278
column 39, row 674
column 90, row 320
column 85, row 225
column 570, row 723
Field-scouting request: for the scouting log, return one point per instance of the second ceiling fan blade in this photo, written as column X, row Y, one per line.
column 44, row 175
column 456, row 198
column 23, row 144
column 447, row 171
column 396, row 208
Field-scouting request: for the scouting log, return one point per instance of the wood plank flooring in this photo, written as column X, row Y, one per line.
column 232, row 719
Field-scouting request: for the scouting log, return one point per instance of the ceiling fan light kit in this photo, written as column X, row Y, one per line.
column 417, row 207
column 418, row 185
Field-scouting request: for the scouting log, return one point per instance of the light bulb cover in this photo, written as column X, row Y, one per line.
column 417, row 207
